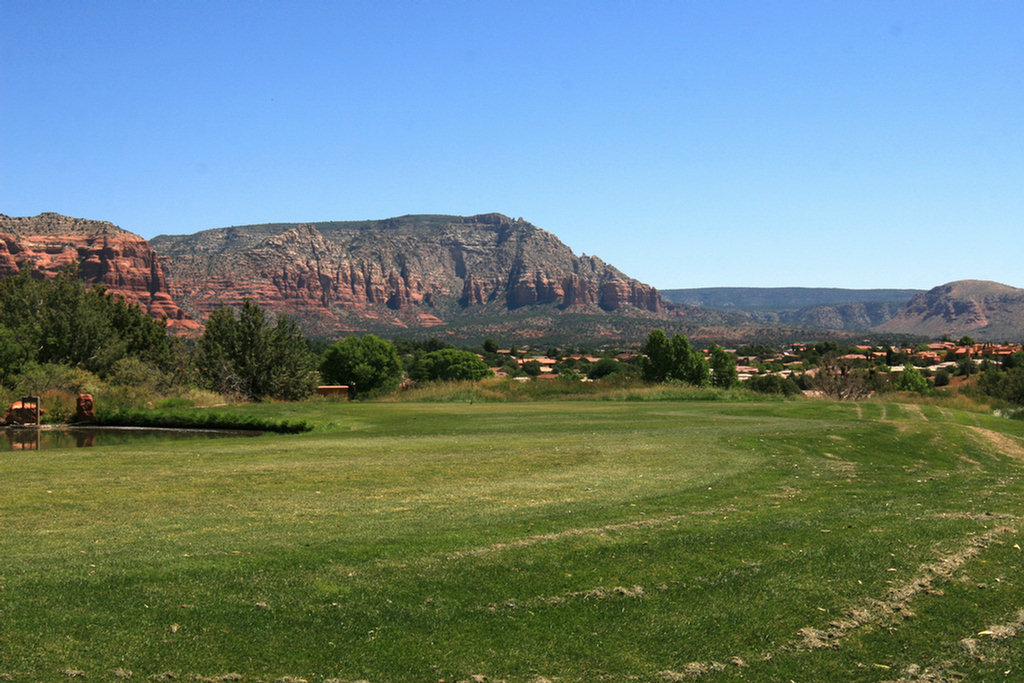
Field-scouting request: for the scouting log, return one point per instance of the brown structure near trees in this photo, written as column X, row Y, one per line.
column 84, row 409
column 23, row 412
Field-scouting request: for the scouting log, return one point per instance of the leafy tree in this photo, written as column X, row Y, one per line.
column 664, row 359
column 13, row 354
column 217, row 351
column 689, row 364
column 605, row 368
column 723, row 367
column 449, row 364
column 59, row 321
column 756, row 350
column 490, row 345
column 1008, row 385
column 773, row 384
column 249, row 356
column 911, row 379
column 658, row 359
column 966, row 367
column 1014, row 360
column 532, row 368
column 132, row 371
column 368, row 365
column 295, row 376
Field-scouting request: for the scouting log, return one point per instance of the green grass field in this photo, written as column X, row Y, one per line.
column 581, row 540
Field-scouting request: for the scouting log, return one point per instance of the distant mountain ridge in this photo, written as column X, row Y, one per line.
column 824, row 308
column 465, row 278
column 409, row 271
column 783, row 298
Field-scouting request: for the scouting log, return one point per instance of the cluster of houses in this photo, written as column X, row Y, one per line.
column 547, row 364
column 934, row 357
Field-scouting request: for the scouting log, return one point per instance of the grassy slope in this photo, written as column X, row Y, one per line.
column 588, row 540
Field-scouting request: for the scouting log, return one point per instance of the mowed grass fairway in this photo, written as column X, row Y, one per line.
column 570, row 541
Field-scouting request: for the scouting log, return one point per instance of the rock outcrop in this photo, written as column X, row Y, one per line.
column 978, row 308
column 105, row 255
column 407, row 271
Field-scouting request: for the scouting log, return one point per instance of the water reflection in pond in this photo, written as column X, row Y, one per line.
column 29, row 439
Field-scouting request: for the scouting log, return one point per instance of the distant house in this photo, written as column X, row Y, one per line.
column 333, row 390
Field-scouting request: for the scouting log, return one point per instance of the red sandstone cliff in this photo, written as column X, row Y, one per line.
column 105, row 254
column 407, row 271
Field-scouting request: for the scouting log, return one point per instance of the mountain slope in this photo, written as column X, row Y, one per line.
column 336, row 277
column 979, row 308
column 105, row 254
column 814, row 308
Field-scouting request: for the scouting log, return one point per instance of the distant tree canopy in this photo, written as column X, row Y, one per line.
column 60, row 321
column 368, row 365
column 249, row 356
column 1007, row 385
column 533, row 368
column 673, row 359
column 449, row 364
column 606, row 367
column 773, row 384
column 911, row 379
column 723, row 368
column 838, row 378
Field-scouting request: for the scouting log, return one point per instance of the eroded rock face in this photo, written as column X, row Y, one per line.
column 979, row 308
column 408, row 271
column 105, row 254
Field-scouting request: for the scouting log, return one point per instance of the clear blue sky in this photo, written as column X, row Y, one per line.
column 690, row 144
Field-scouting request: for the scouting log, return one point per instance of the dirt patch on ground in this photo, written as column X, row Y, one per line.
column 972, row 647
column 938, row 674
column 978, row 516
column 784, row 492
column 692, row 670
column 1006, row 445
column 566, row 533
column 1007, row 630
column 837, row 464
column 914, row 411
column 896, row 603
column 598, row 593
column 894, row 606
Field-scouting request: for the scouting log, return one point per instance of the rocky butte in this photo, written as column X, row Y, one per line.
column 978, row 308
column 427, row 270
column 106, row 255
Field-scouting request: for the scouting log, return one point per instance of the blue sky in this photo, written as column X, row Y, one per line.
column 690, row 144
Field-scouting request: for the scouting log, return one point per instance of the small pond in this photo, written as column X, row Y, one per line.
column 31, row 439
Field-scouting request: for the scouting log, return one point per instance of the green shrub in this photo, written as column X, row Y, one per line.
column 773, row 384
column 58, row 404
column 911, row 379
column 447, row 365
column 604, row 368
column 35, row 378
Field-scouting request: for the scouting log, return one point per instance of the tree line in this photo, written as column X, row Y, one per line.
column 55, row 328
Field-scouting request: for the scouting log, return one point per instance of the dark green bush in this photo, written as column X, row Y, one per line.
column 773, row 384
